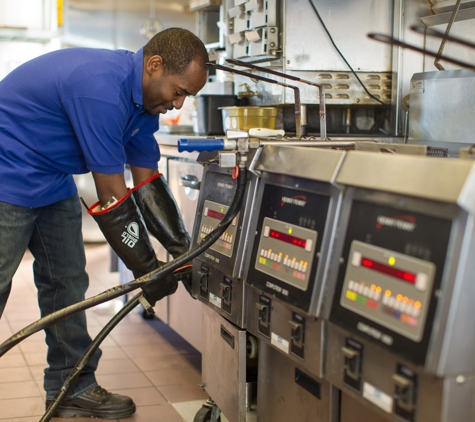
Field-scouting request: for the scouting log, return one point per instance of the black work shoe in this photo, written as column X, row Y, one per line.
column 96, row 403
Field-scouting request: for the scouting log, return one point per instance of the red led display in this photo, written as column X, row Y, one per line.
column 288, row 238
column 215, row 214
column 386, row 269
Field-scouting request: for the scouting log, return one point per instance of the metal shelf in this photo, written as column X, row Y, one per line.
column 203, row 4
column 27, row 35
column 443, row 18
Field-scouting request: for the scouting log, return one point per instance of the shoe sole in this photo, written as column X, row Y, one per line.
column 71, row 412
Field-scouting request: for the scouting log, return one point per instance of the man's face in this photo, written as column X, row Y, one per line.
column 165, row 92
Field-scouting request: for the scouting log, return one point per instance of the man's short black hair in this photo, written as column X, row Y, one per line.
column 178, row 47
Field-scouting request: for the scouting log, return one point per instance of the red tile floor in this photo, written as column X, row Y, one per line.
column 141, row 358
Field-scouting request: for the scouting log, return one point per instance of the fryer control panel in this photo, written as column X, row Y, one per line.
column 392, row 265
column 286, row 251
column 289, row 235
column 212, row 215
column 389, row 288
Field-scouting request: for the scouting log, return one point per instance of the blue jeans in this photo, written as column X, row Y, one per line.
column 53, row 236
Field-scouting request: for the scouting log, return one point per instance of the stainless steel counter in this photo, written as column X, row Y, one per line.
column 172, row 139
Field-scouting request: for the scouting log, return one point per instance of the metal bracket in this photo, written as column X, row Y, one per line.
column 252, row 166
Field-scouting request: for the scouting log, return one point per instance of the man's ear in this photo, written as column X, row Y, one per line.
column 154, row 64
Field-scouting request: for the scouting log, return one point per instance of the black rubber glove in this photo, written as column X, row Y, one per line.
column 186, row 277
column 163, row 219
column 157, row 290
column 161, row 214
column 125, row 230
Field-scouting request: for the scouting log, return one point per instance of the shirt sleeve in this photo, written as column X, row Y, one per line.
column 98, row 125
column 142, row 150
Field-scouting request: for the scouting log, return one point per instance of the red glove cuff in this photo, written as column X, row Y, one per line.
column 146, row 181
column 95, row 209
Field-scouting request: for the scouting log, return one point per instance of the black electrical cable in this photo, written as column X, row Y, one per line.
column 86, row 356
column 117, row 291
column 342, row 56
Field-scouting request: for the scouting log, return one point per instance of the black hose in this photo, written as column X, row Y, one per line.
column 121, row 289
column 95, row 345
column 86, row 356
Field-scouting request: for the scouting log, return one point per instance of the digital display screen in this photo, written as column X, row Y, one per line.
column 286, row 252
column 215, row 214
column 288, row 238
column 388, row 270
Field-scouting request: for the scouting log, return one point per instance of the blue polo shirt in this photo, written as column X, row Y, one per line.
column 70, row 112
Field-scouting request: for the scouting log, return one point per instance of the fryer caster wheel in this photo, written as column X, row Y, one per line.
column 204, row 415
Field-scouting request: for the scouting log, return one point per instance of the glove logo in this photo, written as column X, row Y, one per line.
column 131, row 236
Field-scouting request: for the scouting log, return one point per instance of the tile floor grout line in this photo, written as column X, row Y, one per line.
column 28, row 366
column 98, row 320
